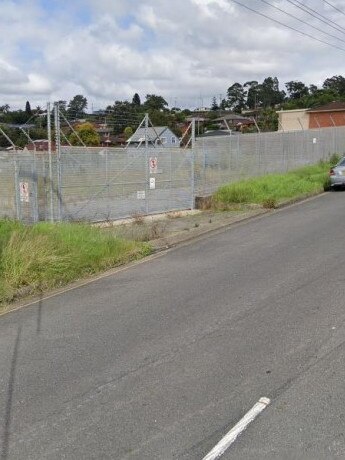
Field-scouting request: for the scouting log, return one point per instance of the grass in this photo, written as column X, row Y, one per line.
column 43, row 256
column 268, row 191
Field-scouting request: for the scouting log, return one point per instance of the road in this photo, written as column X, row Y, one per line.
column 160, row 360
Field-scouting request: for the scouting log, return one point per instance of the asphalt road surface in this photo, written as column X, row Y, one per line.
column 161, row 360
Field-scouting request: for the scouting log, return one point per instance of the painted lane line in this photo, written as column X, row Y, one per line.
column 231, row 436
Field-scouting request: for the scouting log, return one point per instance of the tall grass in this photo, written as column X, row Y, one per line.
column 274, row 188
column 45, row 255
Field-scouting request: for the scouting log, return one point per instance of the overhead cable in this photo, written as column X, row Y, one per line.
column 317, row 15
column 332, row 6
column 303, row 22
column 287, row 26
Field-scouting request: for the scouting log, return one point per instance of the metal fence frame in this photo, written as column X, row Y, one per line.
column 98, row 184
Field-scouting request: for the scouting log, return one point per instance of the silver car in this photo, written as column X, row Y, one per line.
column 337, row 174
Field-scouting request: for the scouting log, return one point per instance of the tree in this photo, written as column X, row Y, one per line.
column 154, row 102
column 128, row 132
column 4, row 108
column 335, row 84
column 136, row 100
column 296, row 89
column 28, row 110
column 269, row 93
column 121, row 115
column 268, row 120
column 313, row 90
column 236, row 97
column 63, row 106
column 214, row 105
column 77, row 105
column 252, row 93
column 87, row 133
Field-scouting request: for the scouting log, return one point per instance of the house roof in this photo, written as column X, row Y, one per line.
column 215, row 132
column 233, row 117
column 334, row 106
column 152, row 134
column 292, row 110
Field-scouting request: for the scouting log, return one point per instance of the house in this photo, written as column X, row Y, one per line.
column 293, row 120
column 156, row 136
column 218, row 132
column 324, row 116
column 234, row 122
column 39, row 145
column 327, row 115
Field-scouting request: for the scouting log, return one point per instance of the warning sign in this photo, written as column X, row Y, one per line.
column 152, row 183
column 153, row 163
column 24, row 192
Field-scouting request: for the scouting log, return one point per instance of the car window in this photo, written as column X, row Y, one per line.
column 342, row 162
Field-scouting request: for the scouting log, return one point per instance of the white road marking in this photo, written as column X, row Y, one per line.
column 231, row 436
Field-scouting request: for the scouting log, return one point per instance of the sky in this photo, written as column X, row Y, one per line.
column 187, row 51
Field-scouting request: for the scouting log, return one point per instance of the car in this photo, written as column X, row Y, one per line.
column 337, row 174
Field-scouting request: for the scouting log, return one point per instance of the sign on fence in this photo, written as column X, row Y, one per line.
column 24, row 192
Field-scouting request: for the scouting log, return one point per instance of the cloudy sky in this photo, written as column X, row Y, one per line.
column 184, row 50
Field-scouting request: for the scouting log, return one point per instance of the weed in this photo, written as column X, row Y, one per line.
column 269, row 203
column 174, row 215
column 45, row 255
column 270, row 189
column 334, row 159
column 138, row 218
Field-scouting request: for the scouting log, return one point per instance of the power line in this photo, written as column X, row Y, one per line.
column 332, row 6
column 301, row 20
column 318, row 16
column 289, row 27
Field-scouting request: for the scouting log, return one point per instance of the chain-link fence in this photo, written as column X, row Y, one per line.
column 223, row 159
column 99, row 184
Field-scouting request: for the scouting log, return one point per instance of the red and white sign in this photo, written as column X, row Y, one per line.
column 153, row 163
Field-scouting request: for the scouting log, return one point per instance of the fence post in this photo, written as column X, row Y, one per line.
column 58, row 156
column 147, row 171
column 193, row 166
column 16, row 186
column 51, row 191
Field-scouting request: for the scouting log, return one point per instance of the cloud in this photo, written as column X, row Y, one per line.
column 184, row 51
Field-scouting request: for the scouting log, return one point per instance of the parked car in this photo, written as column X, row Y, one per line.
column 337, row 174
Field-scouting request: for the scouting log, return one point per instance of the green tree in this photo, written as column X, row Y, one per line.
column 252, row 94
column 268, row 120
column 63, row 106
column 76, row 107
column 128, row 132
column 28, row 110
column 136, row 100
column 335, row 84
column 87, row 133
column 269, row 93
column 214, row 105
column 4, row 108
column 296, row 89
column 236, row 97
column 154, row 102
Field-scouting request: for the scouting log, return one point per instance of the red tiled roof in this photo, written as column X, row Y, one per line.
column 330, row 107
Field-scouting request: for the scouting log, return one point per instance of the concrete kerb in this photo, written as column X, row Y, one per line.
column 159, row 246
column 171, row 241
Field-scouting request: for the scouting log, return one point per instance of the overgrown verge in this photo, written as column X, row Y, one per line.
column 272, row 189
column 44, row 256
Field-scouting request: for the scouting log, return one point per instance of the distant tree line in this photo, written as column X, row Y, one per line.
column 123, row 117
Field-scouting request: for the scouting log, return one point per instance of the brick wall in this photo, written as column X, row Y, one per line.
column 326, row 119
